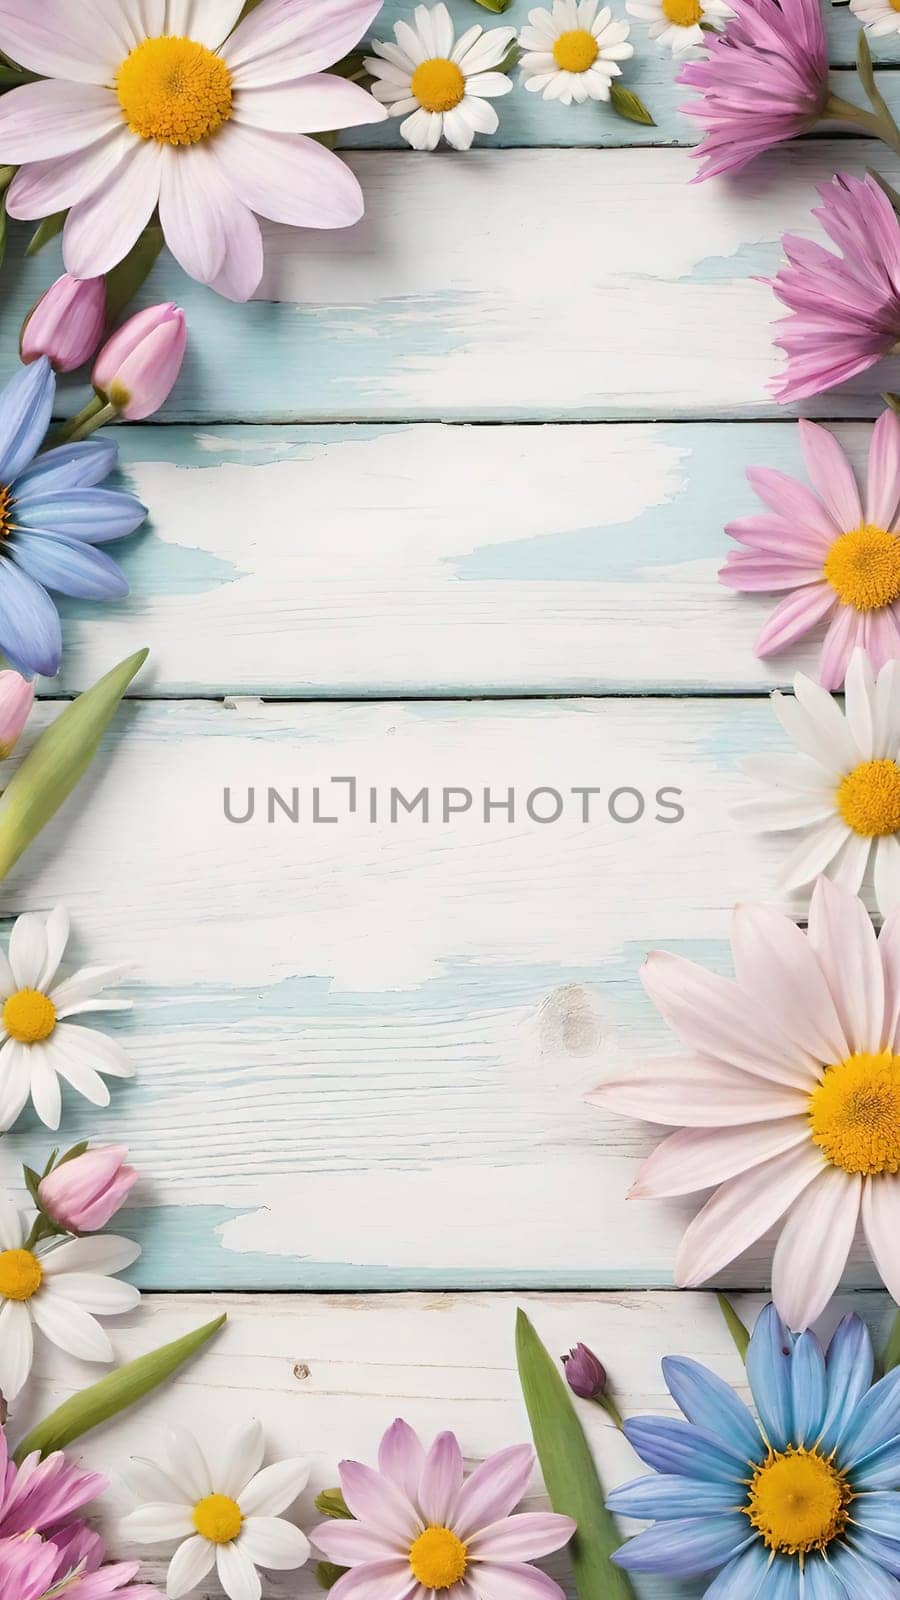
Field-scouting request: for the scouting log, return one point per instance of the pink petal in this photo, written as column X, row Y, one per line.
column 207, row 21
column 401, row 1458
column 697, row 1092
column 843, row 941
column 883, row 493
column 42, row 121
column 41, row 188
column 378, row 1580
column 441, row 1482
column 845, row 634
column 350, row 1544
column 831, row 474
column 311, row 105
column 813, row 1248
column 515, row 1583
column 889, row 952
column 741, row 1212
column 763, row 573
column 493, row 1490
column 881, row 1222
column 374, row 1499
column 286, row 39
column 288, row 177
column 795, row 616
column 696, row 1159
column 192, row 200
column 101, row 230
column 781, row 537
column 792, row 500
column 525, row 1537
column 59, row 40
column 774, row 960
column 242, row 269
column 883, row 636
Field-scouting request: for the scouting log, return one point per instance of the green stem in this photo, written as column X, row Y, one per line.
column 106, row 412
column 41, row 1228
column 612, row 1411
column 70, row 428
column 880, row 125
column 739, row 1333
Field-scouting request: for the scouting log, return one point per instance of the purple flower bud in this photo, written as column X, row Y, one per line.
column 585, row 1375
column 66, row 324
column 137, row 369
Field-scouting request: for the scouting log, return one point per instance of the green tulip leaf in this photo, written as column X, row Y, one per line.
column 629, row 105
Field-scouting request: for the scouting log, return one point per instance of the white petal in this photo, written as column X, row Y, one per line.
column 157, row 1522
column 887, row 873
column 785, row 812
column 44, row 121
column 814, row 854
column 84, row 1046
column 103, row 1297
column 458, row 130
column 12, row 1234
column 237, row 1574
column 774, row 962
column 859, row 697
column 56, row 42
column 314, row 105
column 189, row 1566
column 239, row 1459
column 272, row 1542
column 814, row 1245
column 82, row 1078
column 15, row 1081
column 288, row 178
column 101, row 1252
column 16, row 1347
column 46, row 1096
column 275, row 1488
column 208, row 21
column 57, row 935
column 844, row 942
column 86, row 984
column 279, row 43
column 700, row 1158
column 68, row 1327
column 28, row 950
column 148, row 1482
column 695, row 1092
column 881, row 1221
column 190, row 212
column 187, row 1464
column 101, row 229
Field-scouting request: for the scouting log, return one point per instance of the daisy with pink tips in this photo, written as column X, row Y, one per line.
column 836, row 559
column 422, row 1527
column 169, row 104
column 788, row 1107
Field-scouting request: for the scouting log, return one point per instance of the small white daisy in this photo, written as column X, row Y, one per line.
column 439, row 84
column 57, row 1288
column 841, row 793
column 877, row 16
column 572, row 52
column 677, row 23
column 38, row 1046
column 228, row 1515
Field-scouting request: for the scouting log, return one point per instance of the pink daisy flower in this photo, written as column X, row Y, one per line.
column 422, row 1527
column 845, row 308
column 789, row 1105
column 839, row 562
column 165, row 103
column 764, row 80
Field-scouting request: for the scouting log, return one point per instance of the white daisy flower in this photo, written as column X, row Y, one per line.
column 677, row 23
column 439, row 84
column 57, row 1288
column 572, row 52
column 878, row 17
column 38, row 1045
column 228, row 1515
column 841, row 793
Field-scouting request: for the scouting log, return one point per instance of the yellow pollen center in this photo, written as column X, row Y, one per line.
column 855, row 1114
column 6, row 510
column 438, row 1559
column 438, row 84
column 798, row 1502
column 21, row 1274
column 174, row 90
column 29, row 1017
column 576, row 50
column 684, row 13
column 869, row 799
column 218, row 1518
column 863, row 568
column 894, row 5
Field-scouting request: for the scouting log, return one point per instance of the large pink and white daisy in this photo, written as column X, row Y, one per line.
column 166, row 103
column 789, row 1106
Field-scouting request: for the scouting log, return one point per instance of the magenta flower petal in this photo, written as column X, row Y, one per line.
column 523, row 1537
column 442, row 1478
column 401, row 1457
column 494, row 1489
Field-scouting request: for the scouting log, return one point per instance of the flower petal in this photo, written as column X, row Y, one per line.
column 275, row 1488
column 237, row 1574
column 695, row 1092
column 401, row 1458
column 378, row 1580
column 741, row 1211
column 773, row 958
column 442, row 1478
column 831, row 475
column 68, row 566
column 686, row 1549
column 28, row 949
column 353, row 1544
column 208, row 21
column 524, row 1537
column 51, row 119
column 70, row 1328
column 701, row 1158
column 712, row 1404
column 317, row 104
column 671, row 1446
column 812, row 1251
column 849, row 1365
column 271, row 1542
column 158, row 1521
column 101, row 229
column 287, row 39
column 190, row 1564
column 30, row 631
column 515, row 1581
column 288, row 177
column 843, row 940
column 493, row 1489
column 41, row 188
column 881, row 1222
column 883, row 494
column 57, row 42
column 92, row 516
column 16, row 1347
column 26, row 406
column 105, row 1253
column 239, row 1458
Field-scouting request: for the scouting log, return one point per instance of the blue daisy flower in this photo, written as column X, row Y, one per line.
column 803, row 1504
column 52, row 516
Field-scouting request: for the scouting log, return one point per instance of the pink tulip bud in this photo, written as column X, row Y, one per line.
column 81, row 1195
column 16, row 701
column 66, row 324
column 138, row 368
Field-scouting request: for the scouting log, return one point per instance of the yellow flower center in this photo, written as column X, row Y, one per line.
column 21, row 1274
column 29, row 1017
column 863, row 568
column 576, row 50
column 869, row 797
column 6, row 512
column 174, row 90
column 855, row 1114
column 218, row 1518
column 894, row 5
column 798, row 1502
column 684, row 13
column 438, row 84
column 438, row 1559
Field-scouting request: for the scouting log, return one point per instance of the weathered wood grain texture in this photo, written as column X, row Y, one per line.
column 509, row 285
column 362, row 1048
column 326, row 1375
column 436, row 560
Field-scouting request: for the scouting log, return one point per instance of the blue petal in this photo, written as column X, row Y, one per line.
column 809, row 1389
column 93, row 515
column 656, row 1499
column 30, row 633
column 678, row 1447
column 881, row 1470
column 875, row 1421
column 769, row 1371
column 69, row 567
column 712, row 1404
column 849, row 1364
column 863, row 1579
column 880, row 1513
column 26, row 406
column 685, row 1549
column 782, row 1580
column 883, row 1552
column 821, row 1581
column 69, row 466
column 742, row 1579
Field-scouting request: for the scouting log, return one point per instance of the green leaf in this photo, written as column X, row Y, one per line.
column 891, row 1357
column 123, row 283
column 629, row 105
column 569, row 1472
column 114, row 1393
column 45, row 232
column 331, row 1503
column 327, row 1574
column 58, row 761
column 739, row 1333
column 495, row 5
column 32, row 1179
